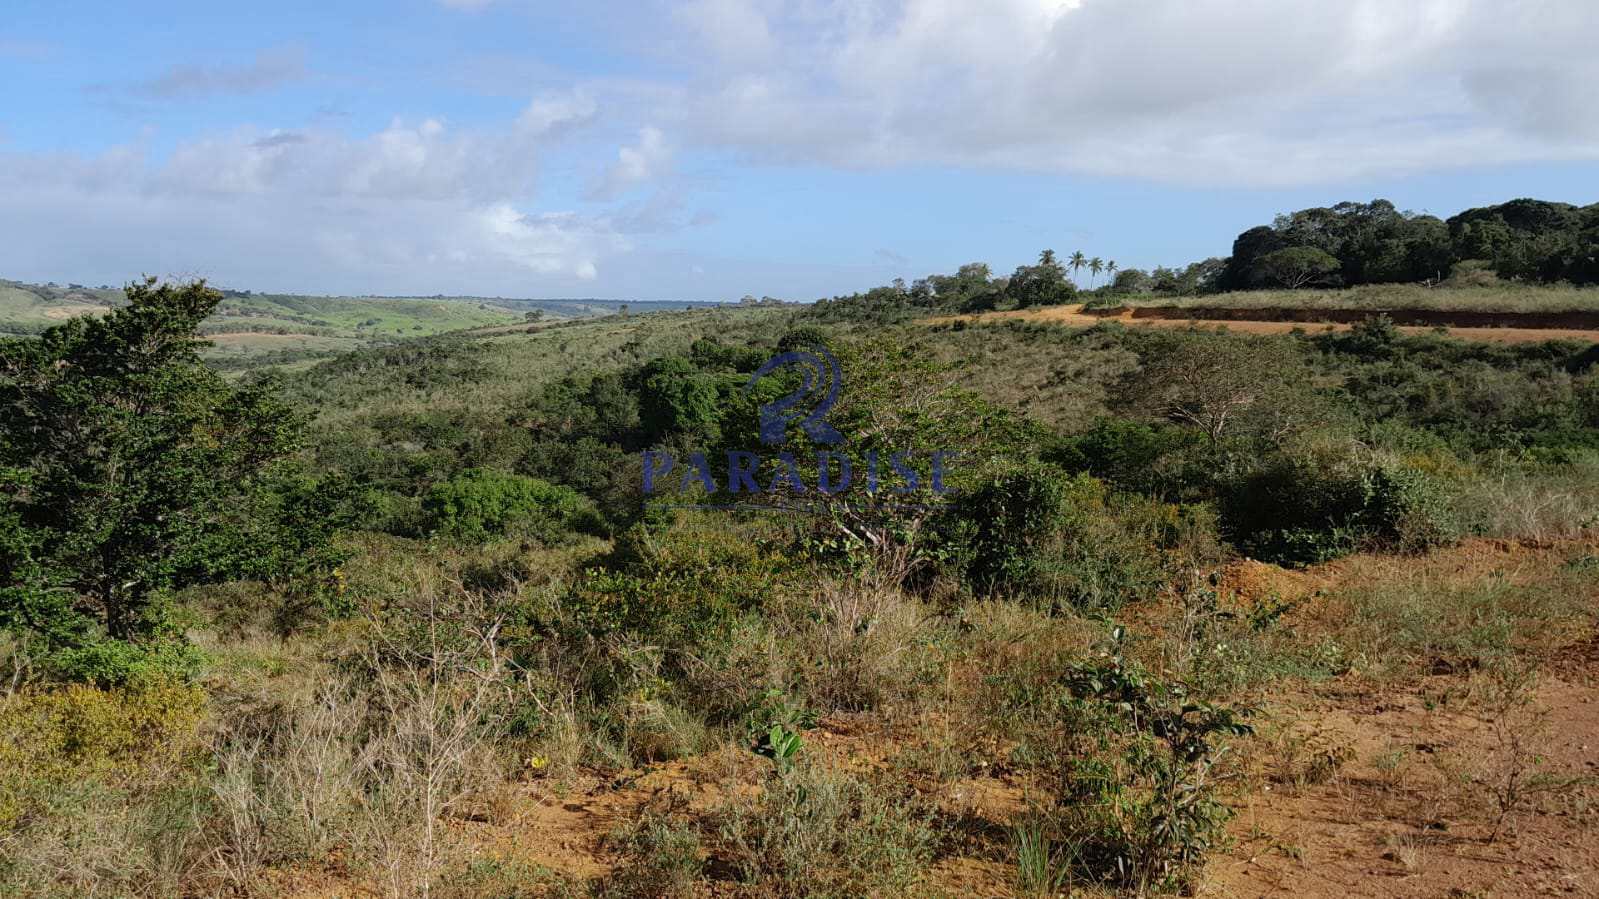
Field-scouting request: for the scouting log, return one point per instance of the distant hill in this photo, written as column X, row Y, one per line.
column 251, row 327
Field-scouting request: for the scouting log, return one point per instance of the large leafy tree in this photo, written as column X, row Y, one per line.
column 1222, row 385
column 1375, row 242
column 1296, row 267
column 127, row 468
column 1043, row 284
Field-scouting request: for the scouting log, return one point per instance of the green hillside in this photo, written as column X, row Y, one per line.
column 254, row 328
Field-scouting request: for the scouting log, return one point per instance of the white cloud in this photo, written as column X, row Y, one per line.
column 735, row 30
column 425, row 160
column 635, row 165
column 553, row 111
column 1251, row 92
column 411, row 208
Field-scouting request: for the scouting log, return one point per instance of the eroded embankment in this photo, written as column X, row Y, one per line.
column 1579, row 320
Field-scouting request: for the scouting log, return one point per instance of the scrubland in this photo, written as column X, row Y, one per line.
column 1202, row 613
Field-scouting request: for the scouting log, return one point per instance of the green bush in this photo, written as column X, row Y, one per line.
column 1132, row 756
column 118, row 663
column 482, row 503
column 677, row 583
column 1137, row 456
column 1312, row 506
column 1035, row 530
column 676, row 397
column 1009, row 524
column 1407, row 509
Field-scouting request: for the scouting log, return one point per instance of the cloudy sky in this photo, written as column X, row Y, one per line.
column 712, row 148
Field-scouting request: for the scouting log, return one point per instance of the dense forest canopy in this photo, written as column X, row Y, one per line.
column 1373, row 243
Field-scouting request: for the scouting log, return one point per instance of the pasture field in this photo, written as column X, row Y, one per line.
column 251, row 330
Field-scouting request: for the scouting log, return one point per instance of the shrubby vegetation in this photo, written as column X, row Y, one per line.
column 479, row 504
column 350, row 620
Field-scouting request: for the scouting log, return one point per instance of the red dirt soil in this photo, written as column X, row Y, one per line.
column 1259, row 321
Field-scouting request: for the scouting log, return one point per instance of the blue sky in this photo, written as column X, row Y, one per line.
column 713, row 148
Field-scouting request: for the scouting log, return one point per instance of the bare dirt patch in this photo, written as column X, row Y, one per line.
column 1074, row 316
column 1398, row 818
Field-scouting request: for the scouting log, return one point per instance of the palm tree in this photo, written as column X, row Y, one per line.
column 1077, row 261
column 1110, row 272
column 1047, row 258
column 1095, row 266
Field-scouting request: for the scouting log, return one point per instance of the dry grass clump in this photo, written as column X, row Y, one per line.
column 822, row 832
column 1455, row 610
column 1551, row 503
column 406, row 735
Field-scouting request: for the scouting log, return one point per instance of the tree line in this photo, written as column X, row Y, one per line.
column 1370, row 243
column 1344, row 245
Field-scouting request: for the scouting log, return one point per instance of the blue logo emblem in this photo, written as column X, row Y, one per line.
column 871, row 472
column 822, row 380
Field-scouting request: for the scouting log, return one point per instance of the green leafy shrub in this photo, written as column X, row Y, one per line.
column 1133, row 757
column 1407, row 509
column 118, row 663
column 482, row 503
column 676, row 397
column 1034, row 530
column 1311, row 506
column 1010, row 523
column 1130, row 454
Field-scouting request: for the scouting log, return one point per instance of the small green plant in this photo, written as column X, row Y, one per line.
column 1040, row 867
column 1515, row 771
column 780, row 745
